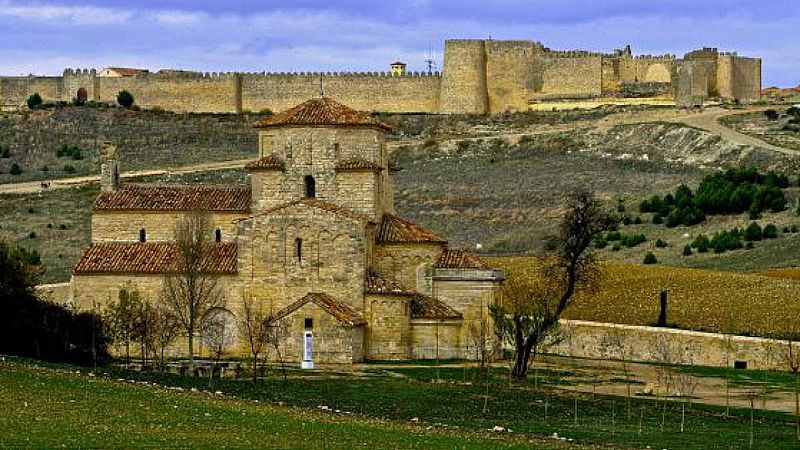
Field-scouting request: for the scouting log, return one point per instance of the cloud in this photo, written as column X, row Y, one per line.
column 362, row 35
column 77, row 15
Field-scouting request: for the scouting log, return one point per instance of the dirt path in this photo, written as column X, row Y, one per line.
column 36, row 186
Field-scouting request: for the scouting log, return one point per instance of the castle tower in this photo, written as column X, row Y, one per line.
column 464, row 89
column 398, row 68
column 109, row 168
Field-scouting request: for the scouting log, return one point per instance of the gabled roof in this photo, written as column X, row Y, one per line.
column 270, row 162
column 379, row 284
column 357, row 164
column 459, row 259
column 322, row 112
column 425, row 307
column 133, row 197
column 319, row 204
column 393, row 230
column 337, row 309
column 152, row 258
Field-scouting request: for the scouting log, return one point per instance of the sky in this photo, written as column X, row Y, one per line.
column 44, row 37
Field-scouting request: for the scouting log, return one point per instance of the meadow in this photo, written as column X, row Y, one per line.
column 383, row 406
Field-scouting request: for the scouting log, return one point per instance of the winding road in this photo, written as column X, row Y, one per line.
column 707, row 120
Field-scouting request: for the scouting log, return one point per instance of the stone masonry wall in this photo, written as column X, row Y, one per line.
column 415, row 92
column 650, row 344
column 15, row 90
column 511, row 74
column 432, row 339
column 332, row 342
column 316, row 152
column 388, row 333
column 572, row 75
column 124, row 226
column 464, row 84
column 332, row 258
column 171, row 93
column 409, row 264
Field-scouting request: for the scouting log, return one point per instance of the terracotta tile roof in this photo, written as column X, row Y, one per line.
column 321, row 112
column 151, row 257
column 379, row 284
column 396, row 230
column 459, row 259
column 357, row 164
column 270, row 162
column 425, row 307
column 337, row 309
column 319, row 204
column 175, row 198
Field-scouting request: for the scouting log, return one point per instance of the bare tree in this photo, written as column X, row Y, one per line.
column 273, row 336
column 532, row 308
column 253, row 326
column 122, row 316
column 791, row 358
column 192, row 291
column 614, row 344
column 165, row 328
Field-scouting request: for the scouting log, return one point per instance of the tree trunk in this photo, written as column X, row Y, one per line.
column 191, row 350
column 255, row 368
column 520, row 370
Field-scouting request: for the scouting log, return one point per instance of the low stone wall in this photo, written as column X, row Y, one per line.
column 57, row 293
column 666, row 345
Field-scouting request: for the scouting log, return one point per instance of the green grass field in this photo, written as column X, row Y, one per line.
column 455, row 397
column 46, row 407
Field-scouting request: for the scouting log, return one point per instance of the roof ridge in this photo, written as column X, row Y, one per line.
column 339, row 310
column 321, row 111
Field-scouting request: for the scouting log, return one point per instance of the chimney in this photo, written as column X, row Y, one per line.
column 109, row 168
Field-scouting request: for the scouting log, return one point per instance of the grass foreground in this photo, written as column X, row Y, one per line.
column 60, row 406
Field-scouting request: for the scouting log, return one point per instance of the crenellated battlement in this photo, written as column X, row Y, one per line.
column 478, row 76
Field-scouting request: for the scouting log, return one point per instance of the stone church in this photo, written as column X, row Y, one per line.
column 314, row 237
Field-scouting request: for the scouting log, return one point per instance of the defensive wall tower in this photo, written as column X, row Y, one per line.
column 464, row 89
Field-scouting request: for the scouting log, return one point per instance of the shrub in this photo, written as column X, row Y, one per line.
column 770, row 232
column 616, row 247
column 771, row 114
column 32, row 235
column 794, row 229
column 650, row 258
column 687, row 250
column 600, row 242
column 749, row 245
column 62, row 227
column 726, row 240
column 632, row 240
column 701, row 243
column 657, row 220
column 34, row 100
column 753, row 232
column 637, row 220
column 613, row 236
column 49, row 225
column 45, row 168
column 125, row 99
column 626, row 220
column 620, row 205
column 5, row 152
column 15, row 169
column 69, row 169
column 73, row 151
column 660, row 243
column 31, row 211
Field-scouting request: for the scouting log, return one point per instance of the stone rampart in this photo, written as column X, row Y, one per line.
column 667, row 345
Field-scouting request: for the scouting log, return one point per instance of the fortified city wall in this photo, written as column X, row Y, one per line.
column 478, row 77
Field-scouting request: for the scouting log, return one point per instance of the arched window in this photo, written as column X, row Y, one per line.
column 298, row 249
column 311, row 186
column 142, row 235
column 218, row 235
